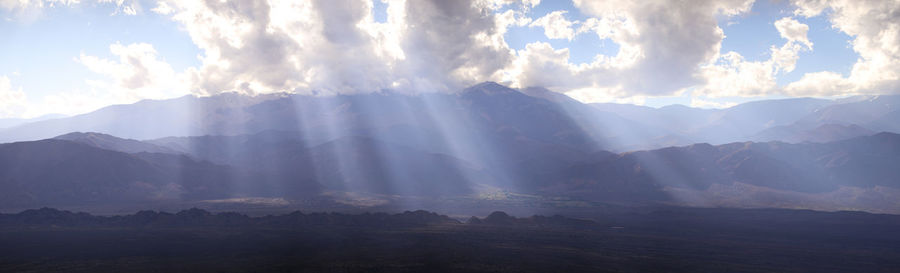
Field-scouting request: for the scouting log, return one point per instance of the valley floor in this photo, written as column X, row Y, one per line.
column 666, row 240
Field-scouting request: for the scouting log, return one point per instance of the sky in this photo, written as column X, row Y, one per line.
column 75, row 56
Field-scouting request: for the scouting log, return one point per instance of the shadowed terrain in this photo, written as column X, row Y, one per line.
column 661, row 239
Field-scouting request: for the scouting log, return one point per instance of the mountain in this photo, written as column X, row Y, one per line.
column 733, row 123
column 268, row 164
column 483, row 113
column 682, row 125
column 887, row 122
column 188, row 115
column 487, row 137
column 59, row 172
column 858, row 111
column 12, row 122
column 108, row 142
column 856, row 173
column 842, row 119
column 809, row 169
column 823, row 133
column 789, row 120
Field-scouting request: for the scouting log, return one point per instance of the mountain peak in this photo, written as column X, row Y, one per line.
column 82, row 135
column 490, row 88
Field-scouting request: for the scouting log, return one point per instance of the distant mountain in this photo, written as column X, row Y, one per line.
column 12, row 122
column 148, row 119
column 821, row 134
column 789, row 120
column 887, row 122
column 483, row 113
column 108, row 142
column 858, row 111
column 811, row 168
column 488, row 136
column 741, row 122
column 684, row 125
column 59, row 172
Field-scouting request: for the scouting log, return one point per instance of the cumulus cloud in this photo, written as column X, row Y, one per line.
column 732, row 75
column 30, row 10
column 137, row 74
column 793, row 31
column 662, row 45
column 13, row 101
column 729, row 74
column 555, row 25
column 337, row 47
column 127, row 7
column 449, row 44
column 875, row 28
column 665, row 48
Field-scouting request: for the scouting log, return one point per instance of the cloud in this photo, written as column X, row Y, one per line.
column 13, row 101
column 662, row 45
column 820, row 83
column 337, row 47
column 325, row 47
column 450, row 44
column 127, row 7
column 729, row 74
column 793, row 31
column 555, row 25
column 30, row 10
column 875, row 28
column 137, row 74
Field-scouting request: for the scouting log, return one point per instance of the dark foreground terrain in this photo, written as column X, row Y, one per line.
column 657, row 240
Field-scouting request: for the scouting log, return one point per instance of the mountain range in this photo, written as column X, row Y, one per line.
column 814, row 153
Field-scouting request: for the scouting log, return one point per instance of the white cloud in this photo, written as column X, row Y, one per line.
column 450, row 44
column 819, row 83
column 337, row 47
column 137, row 74
column 662, row 45
column 729, row 74
column 734, row 76
column 523, row 5
column 127, row 7
column 665, row 48
column 163, row 8
column 13, row 102
column 875, row 28
column 511, row 18
column 539, row 64
column 793, row 31
column 555, row 25
column 30, row 10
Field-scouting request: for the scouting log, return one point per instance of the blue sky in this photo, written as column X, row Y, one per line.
column 46, row 54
